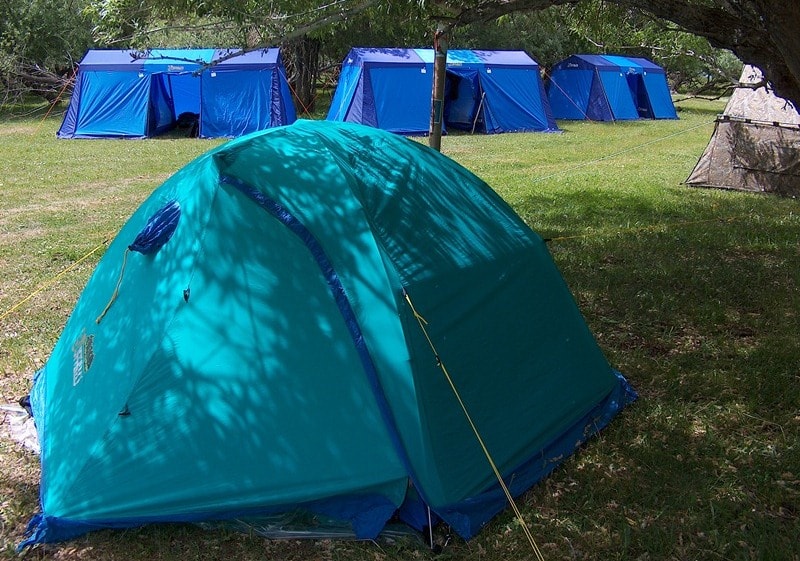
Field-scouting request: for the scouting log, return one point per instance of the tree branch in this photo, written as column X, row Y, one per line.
column 300, row 31
column 760, row 32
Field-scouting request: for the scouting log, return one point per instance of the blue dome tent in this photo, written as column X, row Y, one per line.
column 267, row 335
column 609, row 88
column 140, row 94
column 487, row 91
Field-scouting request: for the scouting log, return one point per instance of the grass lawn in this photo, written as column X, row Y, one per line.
column 693, row 294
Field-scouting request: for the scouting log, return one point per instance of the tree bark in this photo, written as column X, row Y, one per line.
column 302, row 66
column 41, row 82
column 439, row 79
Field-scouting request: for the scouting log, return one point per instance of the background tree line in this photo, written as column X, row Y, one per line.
column 42, row 40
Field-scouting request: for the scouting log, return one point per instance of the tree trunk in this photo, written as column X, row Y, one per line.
column 760, row 32
column 301, row 59
column 439, row 78
column 41, row 82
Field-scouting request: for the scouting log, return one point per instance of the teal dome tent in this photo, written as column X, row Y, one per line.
column 252, row 344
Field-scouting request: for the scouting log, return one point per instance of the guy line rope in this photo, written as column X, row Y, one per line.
column 440, row 363
column 51, row 281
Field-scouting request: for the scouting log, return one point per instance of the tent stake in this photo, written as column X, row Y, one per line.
column 430, row 527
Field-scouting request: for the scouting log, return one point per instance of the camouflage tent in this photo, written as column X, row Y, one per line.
column 756, row 142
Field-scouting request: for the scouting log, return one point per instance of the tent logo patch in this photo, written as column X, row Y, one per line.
column 82, row 357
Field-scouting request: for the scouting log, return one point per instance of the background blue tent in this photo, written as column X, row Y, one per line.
column 133, row 94
column 609, row 88
column 487, row 91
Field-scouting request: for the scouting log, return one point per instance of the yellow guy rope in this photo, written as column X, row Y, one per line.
column 52, row 281
column 422, row 323
column 58, row 98
column 116, row 288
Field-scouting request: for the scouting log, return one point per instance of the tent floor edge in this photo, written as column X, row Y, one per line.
column 468, row 517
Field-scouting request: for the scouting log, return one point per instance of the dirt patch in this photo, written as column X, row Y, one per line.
column 10, row 130
column 25, row 221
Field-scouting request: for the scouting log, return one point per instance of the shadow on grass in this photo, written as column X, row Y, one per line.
column 700, row 312
column 19, row 495
column 698, row 106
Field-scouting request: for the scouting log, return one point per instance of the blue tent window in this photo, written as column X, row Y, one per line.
column 158, row 230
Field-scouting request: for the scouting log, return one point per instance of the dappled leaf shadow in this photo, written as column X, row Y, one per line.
column 241, row 368
column 705, row 352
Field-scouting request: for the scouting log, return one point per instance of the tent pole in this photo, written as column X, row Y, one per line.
column 430, row 527
column 439, row 77
column 605, row 95
column 478, row 112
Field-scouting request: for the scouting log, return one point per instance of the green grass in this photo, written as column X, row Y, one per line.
column 693, row 294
